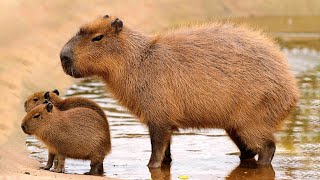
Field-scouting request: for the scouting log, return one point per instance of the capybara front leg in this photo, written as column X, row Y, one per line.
column 246, row 153
column 267, row 153
column 50, row 161
column 167, row 155
column 160, row 138
column 61, row 161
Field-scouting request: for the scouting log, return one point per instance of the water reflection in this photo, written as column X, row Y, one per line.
column 249, row 170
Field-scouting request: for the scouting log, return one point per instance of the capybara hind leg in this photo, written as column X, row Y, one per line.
column 246, row 153
column 61, row 161
column 167, row 155
column 266, row 154
column 96, row 168
column 160, row 138
column 50, row 161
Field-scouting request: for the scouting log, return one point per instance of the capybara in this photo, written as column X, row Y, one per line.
column 217, row 75
column 78, row 133
column 62, row 104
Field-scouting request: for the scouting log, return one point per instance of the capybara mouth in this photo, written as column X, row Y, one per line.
column 70, row 70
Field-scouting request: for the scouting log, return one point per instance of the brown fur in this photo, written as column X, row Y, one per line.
column 62, row 104
column 79, row 133
column 210, row 76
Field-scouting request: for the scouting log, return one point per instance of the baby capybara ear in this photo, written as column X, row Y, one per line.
column 45, row 101
column 46, row 95
column 56, row 92
column 49, row 107
column 117, row 24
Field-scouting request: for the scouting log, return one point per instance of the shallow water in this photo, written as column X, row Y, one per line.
column 209, row 154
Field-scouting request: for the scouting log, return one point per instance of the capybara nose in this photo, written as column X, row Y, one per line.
column 23, row 127
column 66, row 56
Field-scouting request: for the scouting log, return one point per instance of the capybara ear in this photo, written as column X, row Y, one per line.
column 45, row 101
column 56, row 92
column 49, row 107
column 117, row 24
column 105, row 16
column 46, row 95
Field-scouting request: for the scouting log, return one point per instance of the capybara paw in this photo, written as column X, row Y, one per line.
column 87, row 173
column 154, row 165
column 59, row 170
column 45, row 167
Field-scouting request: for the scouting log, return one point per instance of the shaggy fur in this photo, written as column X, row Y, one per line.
column 79, row 133
column 210, row 76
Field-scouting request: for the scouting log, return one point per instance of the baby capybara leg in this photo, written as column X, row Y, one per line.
column 96, row 168
column 167, row 155
column 267, row 152
column 160, row 138
column 50, row 161
column 246, row 153
column 96, row 163
column 61, row 161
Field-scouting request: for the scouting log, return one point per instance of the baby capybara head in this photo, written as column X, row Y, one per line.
column 95, row 48
column 38, row 98
column 37, row 118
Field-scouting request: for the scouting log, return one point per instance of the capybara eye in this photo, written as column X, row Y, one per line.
column 36, row 116
column 35, row 99
column 98, row 38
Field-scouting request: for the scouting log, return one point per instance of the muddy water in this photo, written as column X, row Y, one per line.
column 209, row 154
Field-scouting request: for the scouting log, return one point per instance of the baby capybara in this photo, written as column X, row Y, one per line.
column 217, row 75
column 62, row 104
column 78, row 133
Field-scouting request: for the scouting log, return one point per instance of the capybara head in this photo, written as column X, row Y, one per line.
column 95, row 48
column 37, row 118
column 38, row 98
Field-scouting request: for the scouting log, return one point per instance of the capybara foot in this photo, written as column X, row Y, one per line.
column 248, row 163
column 47, row 167
column 266, row 154
column 94, row 174
column 59, row 170
column 167, row 160
column 247, row 154
column 154, row 164
column 96, row 169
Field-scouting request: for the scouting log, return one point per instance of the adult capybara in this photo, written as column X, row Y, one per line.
column 212, row 76
column 78, row 133
column 62, row 104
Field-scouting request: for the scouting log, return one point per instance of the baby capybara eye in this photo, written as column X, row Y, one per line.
column 36, row 116
column 98, row 38
column 35, row 99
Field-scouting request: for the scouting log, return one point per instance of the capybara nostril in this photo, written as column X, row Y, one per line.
column 65, row 59
column 66, row 55
column 24, row 128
